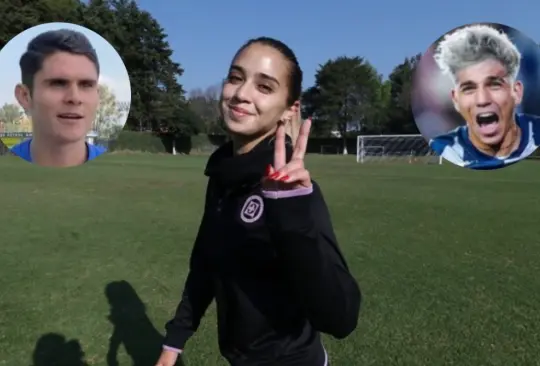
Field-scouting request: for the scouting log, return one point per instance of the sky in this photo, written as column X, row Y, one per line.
column 113, row 70
column 205, row 35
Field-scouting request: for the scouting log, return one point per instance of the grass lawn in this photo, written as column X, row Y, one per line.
column 448, row 260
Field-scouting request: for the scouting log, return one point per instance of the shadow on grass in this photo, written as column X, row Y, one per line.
column 54, row 349
column 132, row 327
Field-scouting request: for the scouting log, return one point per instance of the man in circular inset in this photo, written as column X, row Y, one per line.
column 484, row 64
column 59, row 90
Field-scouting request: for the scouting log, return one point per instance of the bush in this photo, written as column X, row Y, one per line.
column 138, row 141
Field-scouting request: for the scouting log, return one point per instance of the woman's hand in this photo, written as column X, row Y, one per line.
column 283, row 176
column 167, row 358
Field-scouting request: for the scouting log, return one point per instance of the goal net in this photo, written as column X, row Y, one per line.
column 411, row 149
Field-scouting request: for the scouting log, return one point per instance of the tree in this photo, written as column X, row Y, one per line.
column 10, row 115
column 154, row 75
column 205, row 104
column 109, row 115
column 321, row 126
column 24, row 14
column 343, row 95
column 158, row 102
column 70, row 11
column 378, row 114
column 400, row 116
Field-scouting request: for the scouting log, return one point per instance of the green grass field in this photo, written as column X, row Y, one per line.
column 447, row 259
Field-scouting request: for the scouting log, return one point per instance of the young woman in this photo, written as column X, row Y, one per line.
column 266, row 250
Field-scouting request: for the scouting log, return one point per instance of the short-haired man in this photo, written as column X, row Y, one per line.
column 59, row 90
column 484, row 64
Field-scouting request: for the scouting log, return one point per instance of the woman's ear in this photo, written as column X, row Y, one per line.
column 293, row 121
column 292, row 112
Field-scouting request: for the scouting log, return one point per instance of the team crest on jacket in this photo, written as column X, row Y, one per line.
column 252, row 209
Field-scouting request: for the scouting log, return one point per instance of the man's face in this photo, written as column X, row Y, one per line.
column 486, row 99
column 64, row 99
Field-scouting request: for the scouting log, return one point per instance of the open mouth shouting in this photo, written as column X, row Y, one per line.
column 488, row 123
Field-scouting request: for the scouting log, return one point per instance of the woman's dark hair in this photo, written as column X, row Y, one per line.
column 295, row 72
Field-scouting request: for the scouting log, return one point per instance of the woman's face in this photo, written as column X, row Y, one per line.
column 254, row 95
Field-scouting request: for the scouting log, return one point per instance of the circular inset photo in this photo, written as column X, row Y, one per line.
column 475, row 96
column 65, row 94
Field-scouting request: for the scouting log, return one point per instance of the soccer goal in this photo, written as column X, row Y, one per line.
column 410, row 149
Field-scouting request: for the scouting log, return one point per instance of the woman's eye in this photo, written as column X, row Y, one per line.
column 234, row 78
column 265, row 88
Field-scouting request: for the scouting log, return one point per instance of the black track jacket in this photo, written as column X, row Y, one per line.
column 273, row 266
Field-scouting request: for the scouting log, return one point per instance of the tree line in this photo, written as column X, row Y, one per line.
column 349, row 95
column 158, row 101
column 106, row 124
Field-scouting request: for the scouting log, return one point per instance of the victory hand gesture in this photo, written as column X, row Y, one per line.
column 283, row 176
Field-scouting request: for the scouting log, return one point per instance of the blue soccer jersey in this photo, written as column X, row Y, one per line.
column 456, row 147
column 22, row 150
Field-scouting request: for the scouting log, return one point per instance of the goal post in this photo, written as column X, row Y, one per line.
column 410, row 149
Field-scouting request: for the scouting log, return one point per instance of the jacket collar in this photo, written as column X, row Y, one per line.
column 230, row 170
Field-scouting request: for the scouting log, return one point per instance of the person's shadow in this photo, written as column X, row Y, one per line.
column 54, row 349
column 132, row 327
